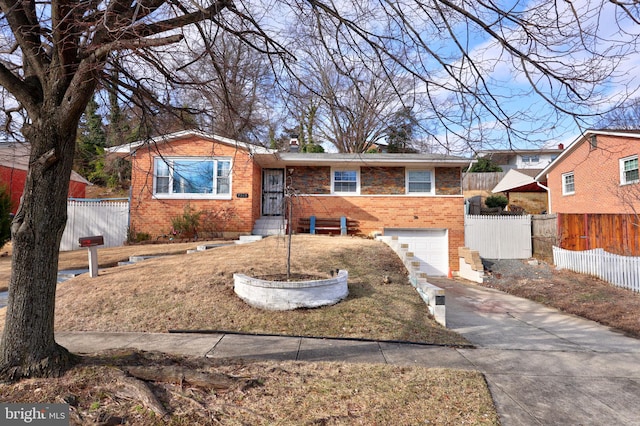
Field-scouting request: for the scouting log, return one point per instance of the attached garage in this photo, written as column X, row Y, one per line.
column 430, row 246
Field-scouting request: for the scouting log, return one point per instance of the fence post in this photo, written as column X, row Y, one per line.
column 312, row 225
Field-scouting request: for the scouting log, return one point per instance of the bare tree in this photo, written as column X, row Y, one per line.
column 350, row 108
column 53, row 55
column 623, row 117
column 231, row 89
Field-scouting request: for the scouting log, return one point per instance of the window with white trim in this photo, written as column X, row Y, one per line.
column 345, row 181
column 568, row 184
column 419, row 182
column 629, row 170
column 192, row 177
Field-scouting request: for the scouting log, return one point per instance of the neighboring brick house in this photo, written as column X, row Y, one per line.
column 14, row 163
column 597, row 173
column 409, row 195
column 594, row 188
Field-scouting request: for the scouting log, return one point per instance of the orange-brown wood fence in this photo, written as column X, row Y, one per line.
column 615, row 233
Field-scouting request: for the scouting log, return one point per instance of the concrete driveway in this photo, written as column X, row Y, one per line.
column 544, row 367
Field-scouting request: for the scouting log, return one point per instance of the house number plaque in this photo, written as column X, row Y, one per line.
column 242, row 195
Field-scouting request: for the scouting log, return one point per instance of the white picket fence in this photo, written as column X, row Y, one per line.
column 499, row 237
column 87, row 218
column 622, row 271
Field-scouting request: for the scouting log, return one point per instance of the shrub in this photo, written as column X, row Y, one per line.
column 134, row 237
column 214, row 221
column 5, row 215
column 484, row 165
column 496, row 201
column 186, row 225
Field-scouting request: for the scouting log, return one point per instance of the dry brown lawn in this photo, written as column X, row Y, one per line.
column 262, row 393
column 195, row 291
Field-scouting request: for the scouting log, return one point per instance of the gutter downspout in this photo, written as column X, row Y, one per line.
column 466, row 205
column 549, row 211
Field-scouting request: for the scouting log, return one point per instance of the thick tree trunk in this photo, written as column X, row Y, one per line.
column 28, row 347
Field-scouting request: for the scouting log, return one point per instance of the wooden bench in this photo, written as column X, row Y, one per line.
column 316, row 225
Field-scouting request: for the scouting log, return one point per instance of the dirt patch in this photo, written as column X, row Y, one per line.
column 578, row 294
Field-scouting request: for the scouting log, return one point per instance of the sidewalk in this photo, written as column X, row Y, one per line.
column 543, row 367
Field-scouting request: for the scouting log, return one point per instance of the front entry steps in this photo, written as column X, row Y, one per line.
column 270, row 225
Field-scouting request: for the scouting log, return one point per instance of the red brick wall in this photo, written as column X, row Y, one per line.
column 597, row 177
column 376, row 213
column 153, row 216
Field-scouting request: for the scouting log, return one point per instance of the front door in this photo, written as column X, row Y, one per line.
column 272, row 192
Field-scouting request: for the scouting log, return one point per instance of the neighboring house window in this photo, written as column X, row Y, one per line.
column 345, row 181
column 530, row 159
column 419, row 181
column 629, row 170
column 195, row 177
column 568, row 184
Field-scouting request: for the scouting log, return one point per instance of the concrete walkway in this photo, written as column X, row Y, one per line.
column 542, row 367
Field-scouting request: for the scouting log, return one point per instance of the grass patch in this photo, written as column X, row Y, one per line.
column 269, row 393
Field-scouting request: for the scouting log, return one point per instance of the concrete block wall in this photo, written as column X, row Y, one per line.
column 471, row 267
column 433, row 296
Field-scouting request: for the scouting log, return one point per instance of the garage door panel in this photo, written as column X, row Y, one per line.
column 429, row 246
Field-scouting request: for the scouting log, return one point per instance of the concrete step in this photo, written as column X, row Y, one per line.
column 270, row 225
column 244, row 239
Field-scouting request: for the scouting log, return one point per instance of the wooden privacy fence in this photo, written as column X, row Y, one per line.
column 544, row 235
column 87, row 218
column 481, row 181
column 499, row 237
column 615, row 233
column 622, row 271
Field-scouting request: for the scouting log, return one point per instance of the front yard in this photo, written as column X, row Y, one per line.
column 195, row 292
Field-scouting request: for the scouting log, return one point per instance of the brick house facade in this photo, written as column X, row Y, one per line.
column 380, row 191
column 590, row 176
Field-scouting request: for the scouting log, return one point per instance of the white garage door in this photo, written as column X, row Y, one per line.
column 430, row 246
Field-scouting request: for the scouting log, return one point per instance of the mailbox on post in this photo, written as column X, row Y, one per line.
column 92, row 243
column 96, row 240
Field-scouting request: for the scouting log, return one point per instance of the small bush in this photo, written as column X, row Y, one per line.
column 134, row 237
column 496, row 201
column 186, row 225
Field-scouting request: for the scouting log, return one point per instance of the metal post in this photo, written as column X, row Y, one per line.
column 93, row 261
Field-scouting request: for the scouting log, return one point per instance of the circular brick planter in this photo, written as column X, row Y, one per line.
column 288, row 295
